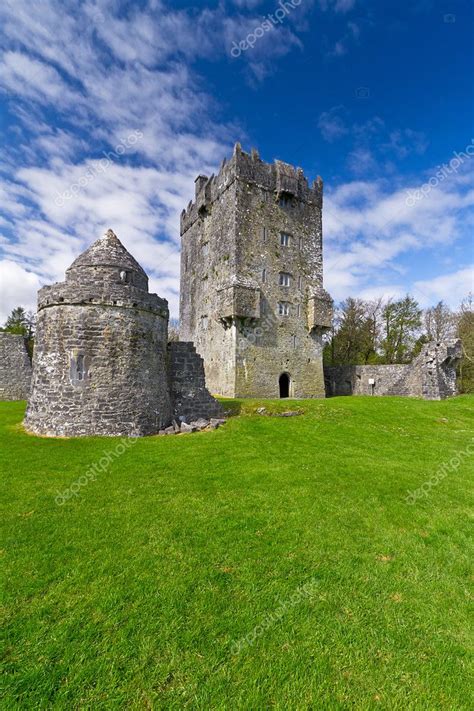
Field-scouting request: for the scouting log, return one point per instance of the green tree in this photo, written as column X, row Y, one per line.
column 23, row 323
column 401, row 324
column 440, row 322
column 354, row 334
column 465, row 331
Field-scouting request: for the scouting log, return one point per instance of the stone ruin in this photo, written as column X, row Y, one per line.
column 431, row 375
column 15, row 367
column 102, row 364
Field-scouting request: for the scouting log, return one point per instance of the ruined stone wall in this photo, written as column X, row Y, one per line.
column 15, row 367
column 354, row 380
column 190, row 397
column 231, row 262
column 432, row 375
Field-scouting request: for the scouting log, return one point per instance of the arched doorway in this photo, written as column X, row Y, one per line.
column 284, row 383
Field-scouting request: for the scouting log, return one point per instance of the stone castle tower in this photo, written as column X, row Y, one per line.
column 101, row 364
column 252, row 297
column 99, row 361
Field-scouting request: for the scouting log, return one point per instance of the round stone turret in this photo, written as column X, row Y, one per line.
column 99, row 364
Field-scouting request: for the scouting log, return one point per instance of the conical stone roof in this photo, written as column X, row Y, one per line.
column 107, row 251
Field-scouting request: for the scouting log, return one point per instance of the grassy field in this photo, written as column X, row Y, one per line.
column 275, row 563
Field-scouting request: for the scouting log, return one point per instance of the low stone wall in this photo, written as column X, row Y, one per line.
column 357, row 380
column 191, row 399
column 15, row 367
column 432, row 375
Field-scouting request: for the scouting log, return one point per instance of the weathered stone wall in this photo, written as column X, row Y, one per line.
column 15, row 367
column 432, row 375
column 231, row 262
column 354, row 380
column 190, row 397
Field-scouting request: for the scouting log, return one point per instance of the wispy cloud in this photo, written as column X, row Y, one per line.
column 369, row 227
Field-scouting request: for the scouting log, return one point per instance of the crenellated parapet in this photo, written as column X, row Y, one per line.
column 278, row 179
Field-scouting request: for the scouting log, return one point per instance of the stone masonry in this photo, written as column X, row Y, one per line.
column 252, row 297
column 15, row 367
column 190, row 397
column 432, row 375
column 101, row 364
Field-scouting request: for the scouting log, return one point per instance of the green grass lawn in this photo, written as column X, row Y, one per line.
column 271, row 564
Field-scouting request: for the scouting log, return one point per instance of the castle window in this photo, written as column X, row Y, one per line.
column 300, row 282
column 298, row 310
column 295, row 341
column 205, row 249
column 284, row 239
column 124, row 277
column 300, row 243
column 285, row 279
column 285, row 201
column 264, row 275
column 284, row 308
column 264, row 234
column 263, row 307
column 204, row 322
column 80, row 367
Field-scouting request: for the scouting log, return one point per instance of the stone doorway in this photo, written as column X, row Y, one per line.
column 284, row 384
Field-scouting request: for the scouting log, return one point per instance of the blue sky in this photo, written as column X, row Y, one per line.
column 109, row 110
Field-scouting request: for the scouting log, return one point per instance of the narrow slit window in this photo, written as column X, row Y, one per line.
column 80, row 370
column 300, row 282
column 264, row 275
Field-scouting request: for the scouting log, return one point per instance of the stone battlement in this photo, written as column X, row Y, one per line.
column 276, row 178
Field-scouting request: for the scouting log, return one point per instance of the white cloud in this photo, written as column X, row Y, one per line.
column 18, row 287
column 332, row 125
column 369, row 228
column 450, row 288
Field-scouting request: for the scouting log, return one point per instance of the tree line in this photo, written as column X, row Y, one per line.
column 395, row 330
column 365, row 332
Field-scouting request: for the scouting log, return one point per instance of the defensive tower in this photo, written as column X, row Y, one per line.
column 100, row 357
column 252, row 297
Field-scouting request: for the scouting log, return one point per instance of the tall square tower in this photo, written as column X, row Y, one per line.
column 252, row 296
